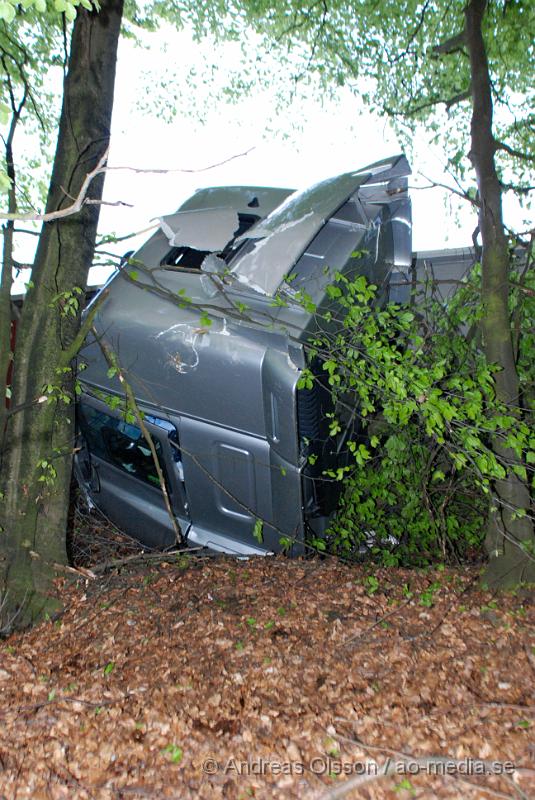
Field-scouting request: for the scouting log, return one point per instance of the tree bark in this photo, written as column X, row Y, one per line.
column 36, row 464
column 508, row 535
column 7, row 277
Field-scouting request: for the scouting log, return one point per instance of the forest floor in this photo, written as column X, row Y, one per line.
column 206, row 677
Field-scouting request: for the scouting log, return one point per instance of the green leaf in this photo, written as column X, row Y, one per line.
column 405, row 785
column 372, row 584
column 333, row 291
column 7, row 12
column 175, row 752
column 258, row 530
column 70, row 12
column 5, row 113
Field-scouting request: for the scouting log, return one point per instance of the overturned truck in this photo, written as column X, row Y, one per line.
column 208, row 325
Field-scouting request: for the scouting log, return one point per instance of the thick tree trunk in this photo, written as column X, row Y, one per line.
column 7, row 255
column 509, row 562
column 36, row 464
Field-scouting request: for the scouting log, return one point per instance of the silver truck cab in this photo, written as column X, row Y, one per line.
column 207, row 321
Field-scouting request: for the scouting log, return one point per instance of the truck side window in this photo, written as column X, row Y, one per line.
column 119, row 443
column 188, row 258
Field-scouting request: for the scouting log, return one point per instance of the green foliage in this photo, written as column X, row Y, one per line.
column 372, row 584
column 420, row 464
column 258, row 530
column 67, row 302
column 47, row 473
column 9, row 8
column 205, row 321
column 427, row 597
column 405, row 785
column 175, row 753
column 32, row 54
column 399, row 58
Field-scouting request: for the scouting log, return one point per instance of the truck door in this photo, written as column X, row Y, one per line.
column 117, row 471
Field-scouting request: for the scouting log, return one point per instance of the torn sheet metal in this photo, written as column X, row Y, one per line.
column 274, row 244
column 204, row 229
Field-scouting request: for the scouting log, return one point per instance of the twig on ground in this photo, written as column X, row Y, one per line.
column 81, row 572
column 476, row 787
column 358, row 781
column 376, row 623
column 424, row 762
column 530, row 657
column 68, row 699
column 100, row 569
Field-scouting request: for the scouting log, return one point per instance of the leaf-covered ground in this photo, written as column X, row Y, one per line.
column 215, row 678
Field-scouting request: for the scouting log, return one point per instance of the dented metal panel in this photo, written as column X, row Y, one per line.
column 216, row 364
column 275, row 244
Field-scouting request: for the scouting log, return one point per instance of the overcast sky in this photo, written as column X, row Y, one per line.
column 313, row 141
column 295, row 146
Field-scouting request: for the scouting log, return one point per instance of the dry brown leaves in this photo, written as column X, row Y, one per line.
column 212, row 678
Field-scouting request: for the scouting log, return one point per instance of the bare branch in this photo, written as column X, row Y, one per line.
column 167, row 555
column 24, row 230
column 140, row 171
column 108, row 239
column 459, row 192
column 459, row 98
column 86, row 325
column 512, row 152
column 78, row 204
column 101, row 168
column 113, row 362
column 513, row 187
column 453, row 45
column 359, row 780
column 108, row 202
column 429, row 764
column 448, row 102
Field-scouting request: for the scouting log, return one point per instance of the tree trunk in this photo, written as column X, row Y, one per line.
column 36, row 464
column 7, row 277
column 507, row 537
